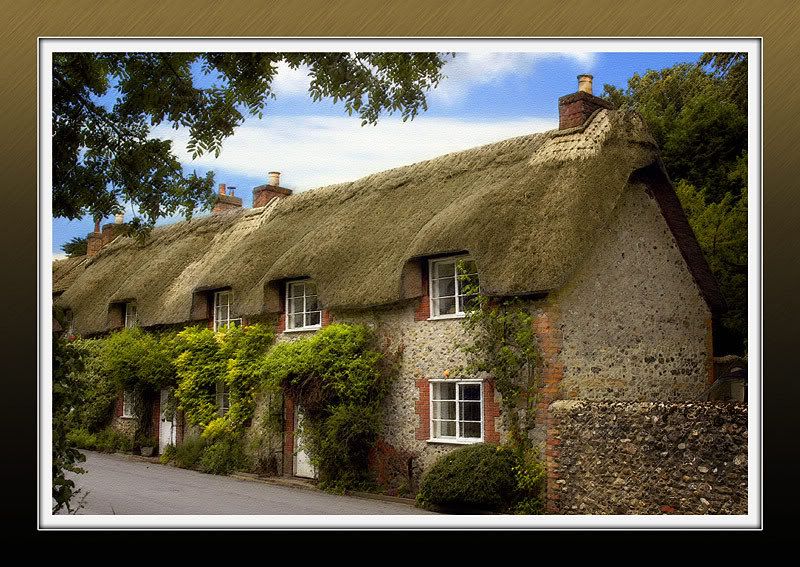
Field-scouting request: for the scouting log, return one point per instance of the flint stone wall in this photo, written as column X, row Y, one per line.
column 647, row 458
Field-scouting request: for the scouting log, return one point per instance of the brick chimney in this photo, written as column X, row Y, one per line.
column 226, row 200
column 111, row 231
column 94, row 240
column 263, row 194
column 574, row 109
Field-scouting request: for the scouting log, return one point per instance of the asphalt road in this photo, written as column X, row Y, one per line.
column 119, row 485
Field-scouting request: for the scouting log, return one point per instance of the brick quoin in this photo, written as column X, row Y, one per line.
column 422, row 406
column 118, row 406
column 326, row 318
column 491, row 412
column 550, row 341
column 288, row 436
column 423, row 310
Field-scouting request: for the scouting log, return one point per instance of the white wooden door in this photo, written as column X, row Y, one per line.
column 302, row 462
column 167, row 432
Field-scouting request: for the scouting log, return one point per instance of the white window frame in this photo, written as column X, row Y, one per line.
column 458, row 439
column 127, row 404
column 130, row 314
column 290, row 316
column 228, row 319
column 459, row 297
column 223, row 393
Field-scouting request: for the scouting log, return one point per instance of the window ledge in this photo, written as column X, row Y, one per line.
column 455, row 441
column 303, row 329
column 445, row 317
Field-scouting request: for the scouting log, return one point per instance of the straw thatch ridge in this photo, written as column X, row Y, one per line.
column 527, row 209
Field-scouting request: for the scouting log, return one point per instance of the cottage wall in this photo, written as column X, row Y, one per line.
column 633, row 322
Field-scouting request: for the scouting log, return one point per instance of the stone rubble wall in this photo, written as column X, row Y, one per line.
column 606, row 457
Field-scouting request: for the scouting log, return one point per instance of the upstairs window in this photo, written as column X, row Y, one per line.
column 302, row 306
column 450, row 279
column 223, row 393
column 224, row 315
column 130, row 314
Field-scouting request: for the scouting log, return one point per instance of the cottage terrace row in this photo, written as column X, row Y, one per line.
column 580, row 222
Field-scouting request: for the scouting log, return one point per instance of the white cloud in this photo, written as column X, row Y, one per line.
column 59, row 256
column 312, row 151
column 290, row 81
column 467, row 71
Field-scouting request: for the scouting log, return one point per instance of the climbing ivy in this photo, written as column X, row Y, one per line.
column 231, row 356
column 501, row 342
column 339, row 378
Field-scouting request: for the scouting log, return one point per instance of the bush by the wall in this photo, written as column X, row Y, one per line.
column 188, row 453
column 82, row 439
column 222, row 457
column 475, row 477
column 109, row 440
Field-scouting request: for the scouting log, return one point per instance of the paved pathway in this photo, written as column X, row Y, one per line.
column 119, row 485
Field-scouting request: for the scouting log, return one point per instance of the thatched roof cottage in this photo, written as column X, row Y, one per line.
column 581, row 221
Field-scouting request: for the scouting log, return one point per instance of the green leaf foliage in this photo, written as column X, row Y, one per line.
column 75, row 247
column 105, row 104
column 340, row 379
column 68, row 362
column 133, row 358
column 232, row 356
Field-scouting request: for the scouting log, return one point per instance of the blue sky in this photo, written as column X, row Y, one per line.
column 486, row 97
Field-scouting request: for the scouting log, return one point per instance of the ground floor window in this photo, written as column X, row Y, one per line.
column 222, row 398
column 457, row 410
column 127, row 403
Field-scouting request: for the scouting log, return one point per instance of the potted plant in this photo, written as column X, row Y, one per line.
column 147, row 446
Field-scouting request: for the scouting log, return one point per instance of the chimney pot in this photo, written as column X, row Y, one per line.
column 275, row 178
column 585, row 83
column 119, row 218
column 232, row 191
column 222, row 189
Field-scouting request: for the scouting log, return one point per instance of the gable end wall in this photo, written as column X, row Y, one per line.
column 634, row 323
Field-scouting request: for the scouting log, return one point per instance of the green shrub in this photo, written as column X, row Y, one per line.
column 81, row 439
column 475, row 477
column 222, row 457
column 168, row 454
column 346, row 438
column 188, row 453
column 110, row 440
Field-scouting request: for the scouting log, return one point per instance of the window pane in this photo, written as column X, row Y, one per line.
column 444, row 410
column 444, row 428
column 444, row 269
column 295, row 290
column 445, row 306
column 296, row 305
column 297, row 321
column 444, row 391
column 313, row 318
column 470, row 411
column 444, row 288
column 311, row 303
column 471, row 430
column 470, row 391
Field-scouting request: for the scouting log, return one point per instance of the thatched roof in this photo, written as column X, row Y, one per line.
column 65, row 271
column 527, row 209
